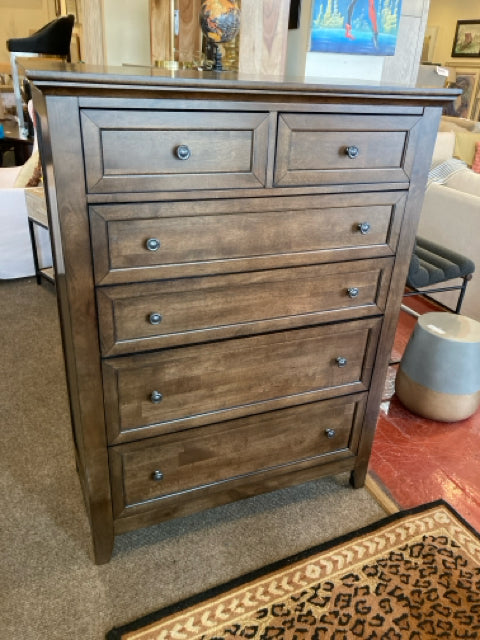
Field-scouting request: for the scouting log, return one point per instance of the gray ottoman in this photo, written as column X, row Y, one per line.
column 439, row 374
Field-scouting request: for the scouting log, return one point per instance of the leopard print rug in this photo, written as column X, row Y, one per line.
column 412, row 576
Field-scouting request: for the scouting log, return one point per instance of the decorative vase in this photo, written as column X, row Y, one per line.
column 220, row 22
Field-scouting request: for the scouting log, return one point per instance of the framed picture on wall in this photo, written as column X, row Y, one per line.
column 466, row 43
column 466, row 79
column 359, row 27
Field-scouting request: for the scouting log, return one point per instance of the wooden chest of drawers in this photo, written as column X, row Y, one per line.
column 230, row 256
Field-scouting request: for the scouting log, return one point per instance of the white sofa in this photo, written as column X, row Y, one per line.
column 16, row 256
column 451, row 210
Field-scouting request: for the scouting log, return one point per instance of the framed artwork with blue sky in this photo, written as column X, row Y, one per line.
column 361, row 27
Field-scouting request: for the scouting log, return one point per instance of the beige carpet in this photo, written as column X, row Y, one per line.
column 50, row 587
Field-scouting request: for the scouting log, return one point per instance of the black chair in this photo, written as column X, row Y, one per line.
column 431, row 264
column 52, row 40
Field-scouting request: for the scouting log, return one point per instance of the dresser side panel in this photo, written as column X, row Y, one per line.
column 420, row 150
column 69, row 225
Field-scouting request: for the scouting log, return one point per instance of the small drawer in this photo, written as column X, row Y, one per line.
column 337, row 149
column 139, row 317
column 190, row 386
column 129, row 151
column 187, row 465
column 140, row 242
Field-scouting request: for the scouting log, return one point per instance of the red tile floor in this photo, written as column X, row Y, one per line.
column 415, row 460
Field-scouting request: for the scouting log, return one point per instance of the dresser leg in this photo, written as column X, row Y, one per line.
column 101, row 523
column 102, row 546
column 358, row 476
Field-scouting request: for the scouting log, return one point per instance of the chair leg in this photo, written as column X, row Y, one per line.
column 411, row 312
column 463, row 288
column 38, row 275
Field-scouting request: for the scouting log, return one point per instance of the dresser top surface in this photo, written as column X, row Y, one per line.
column 51, row 74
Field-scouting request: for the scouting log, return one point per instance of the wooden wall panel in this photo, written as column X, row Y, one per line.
column 263, row 36
column 190, row 36
column 93, row 33
column 161, row 30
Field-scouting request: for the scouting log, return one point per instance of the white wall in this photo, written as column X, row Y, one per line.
column 443, row 18
column 127, row 32
column 400, row 68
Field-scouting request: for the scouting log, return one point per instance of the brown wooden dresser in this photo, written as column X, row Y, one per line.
column 230, row 255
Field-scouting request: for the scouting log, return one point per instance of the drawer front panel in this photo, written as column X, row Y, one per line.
column 189, row 386
column 326, row 149
column 139, row 317
column 204, row 238
column 150, row 150
column 210, row 458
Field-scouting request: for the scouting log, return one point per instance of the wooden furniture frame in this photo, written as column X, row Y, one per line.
column 230, row 257
column 37, row 217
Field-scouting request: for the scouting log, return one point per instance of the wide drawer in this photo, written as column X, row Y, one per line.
column 338, row 149
column 139, row 317
column 188, row 465
column 139, row 242
column 191, row 386
column 129, row 151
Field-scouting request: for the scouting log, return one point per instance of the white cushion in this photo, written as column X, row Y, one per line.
column 466, row 181
column 16, row 257
column 444, row 146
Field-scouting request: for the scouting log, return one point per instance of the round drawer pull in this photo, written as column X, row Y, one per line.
column 183, row 152
column 156, row 397
column 352, row 152
column 363, row 227
column 153, row 244
column 157, row 475
column 341, row 361
column 155, row 318
column 353, row 292
column 330, row 433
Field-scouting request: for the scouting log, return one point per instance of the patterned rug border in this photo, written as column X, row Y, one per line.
column 117, row 633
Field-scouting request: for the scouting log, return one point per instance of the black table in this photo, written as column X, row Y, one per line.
column 22, row 147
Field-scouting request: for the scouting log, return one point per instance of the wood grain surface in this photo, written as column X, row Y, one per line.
column 263, row 36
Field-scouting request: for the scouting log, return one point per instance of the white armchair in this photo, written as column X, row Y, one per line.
column 16, row 255
column 451, row 214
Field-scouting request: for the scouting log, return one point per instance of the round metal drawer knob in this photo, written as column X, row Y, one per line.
column 156, row 397
column 341, row 361
column 363, row 227
column 153, row 244
column 353, row 292
column 330, row 433
column 183, row 152
column 157, row 475
column 352, row 152
column 155, row 318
